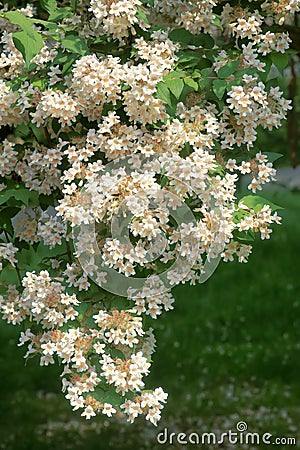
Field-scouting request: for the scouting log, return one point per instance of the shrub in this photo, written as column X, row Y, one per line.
column 126, row 127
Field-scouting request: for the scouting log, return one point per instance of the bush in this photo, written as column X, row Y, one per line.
column 126, row 127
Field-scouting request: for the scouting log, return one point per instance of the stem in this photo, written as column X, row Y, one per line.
column 75, row 6
column 69, row 253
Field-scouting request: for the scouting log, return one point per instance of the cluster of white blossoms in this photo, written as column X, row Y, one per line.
column 125, row 375
column 8, row 251
column 25, row 226
column 35, row 225
column 51, row 230
column 74, row 277
column 122, row 327
column 282, row 10
column 252, row 106
column 56, row 104
column 38, row 168
column 152, row 300
column 81, row 350
column 264, row 45
column 258, row 221
column 10, row 111
column 8, row 157
column 196, row 16
column 95, row 83
column 117, row 16
column 123, row 143
column 261, row 170
column 44, row 300
column 148, row 403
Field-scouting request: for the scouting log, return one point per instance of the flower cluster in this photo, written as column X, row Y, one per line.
column 252, row 107
column 11, row 112
column 56, row 104
column 195, row 16
column 258, row 221
column 283, row 10
column 45, row 301
column 261, row 170
column 148, row 403
column 117, row 16
column 8, row 157
column 51, row 230
column 82, row 372
column 8, row 251
column 38, row 168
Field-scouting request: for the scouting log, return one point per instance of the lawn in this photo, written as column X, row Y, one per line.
column 228, row 352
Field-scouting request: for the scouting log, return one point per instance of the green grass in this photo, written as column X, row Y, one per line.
column 229, row 351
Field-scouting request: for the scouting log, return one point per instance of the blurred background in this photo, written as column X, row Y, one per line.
column 228, row 352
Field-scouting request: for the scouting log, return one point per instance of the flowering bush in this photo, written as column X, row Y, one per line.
column 126, row 127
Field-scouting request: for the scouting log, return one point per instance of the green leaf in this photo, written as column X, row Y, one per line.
column 256, row 203
column 219, row 87
column 182, row 36
column 60, row 13
column 9, row 275
column 148, row 2
column 75, row 44
column 119, row 303
column 190, row 59
column 39, row 84
column 163, row 93
column 19, row 19
column 44, row 251
column 116, row 353
column 82, row 309
column 22, row 130
column 176, row 86
column 268, row 63
column 28, row 260
column 241, row 72
column 28, row 44
column 192, row 83
column 203, row 40
column 141, row 14
column 6, row 215
column 272, row 156
column 175, row 74
column 280, row 60
column 244, row 236
column 51, row 25
column 24, row 195
column 228, row 69
column 207, row 71
column 217, row 22
column 39, row 133
column 49, row 5
column 67, row 67
column 112, row 397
